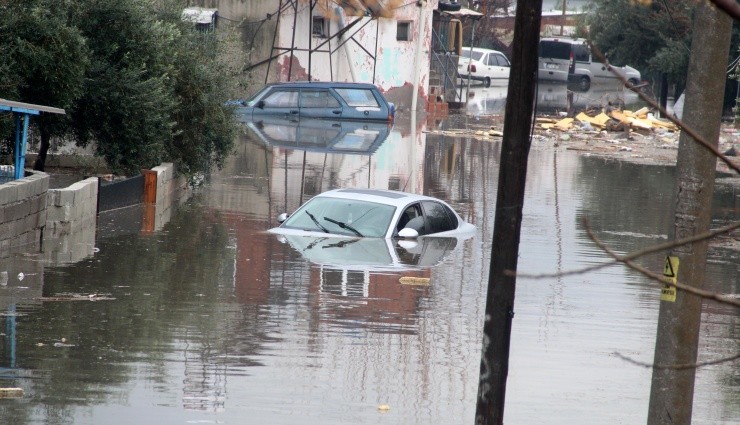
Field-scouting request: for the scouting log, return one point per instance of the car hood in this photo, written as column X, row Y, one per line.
column 371, row 253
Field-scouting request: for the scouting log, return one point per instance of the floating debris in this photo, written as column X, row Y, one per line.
column 410, row 280
column 11, row 392
column 78, row 297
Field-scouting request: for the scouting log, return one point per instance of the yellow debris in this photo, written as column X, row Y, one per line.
column 384, row 408
column 11, row 392
column 601, row 119
column 585, row 118
column 642, row 112
column 410, row 280
column 564, row 124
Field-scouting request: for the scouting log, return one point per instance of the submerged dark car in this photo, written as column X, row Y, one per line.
column 333, row 100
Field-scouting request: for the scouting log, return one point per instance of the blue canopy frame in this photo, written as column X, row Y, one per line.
column 22, row 115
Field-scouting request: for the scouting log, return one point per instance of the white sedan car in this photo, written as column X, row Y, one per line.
column 486, row 65
column 373, row 213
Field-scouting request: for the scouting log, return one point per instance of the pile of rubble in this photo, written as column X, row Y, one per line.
column 616, row 120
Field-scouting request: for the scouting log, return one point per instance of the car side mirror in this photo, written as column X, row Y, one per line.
column 260, row 104
column 408, row 233
column 282, row 217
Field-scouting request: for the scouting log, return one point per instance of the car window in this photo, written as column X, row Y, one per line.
column 437, row 217
column 466, row 53
column 370, row 219
column 492, row 60
column 581, row 53
column 254, row 99
column 282, row 99
column 358, row 97
column 410, row 213
column 502, row 61
column 554, row 50
column 318, row 99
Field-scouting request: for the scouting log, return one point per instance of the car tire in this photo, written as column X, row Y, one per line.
column 584, row 83
column 487, row 82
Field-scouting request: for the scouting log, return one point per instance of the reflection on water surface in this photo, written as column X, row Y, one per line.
column 216, row 321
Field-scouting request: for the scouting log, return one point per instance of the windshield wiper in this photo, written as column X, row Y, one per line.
column 316, row 222
column 343, row 226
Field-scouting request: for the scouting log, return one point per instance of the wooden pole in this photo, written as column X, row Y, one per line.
column 515, row 145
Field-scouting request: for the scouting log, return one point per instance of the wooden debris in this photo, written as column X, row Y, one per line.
column 11, row 392
column 78, row 297
column 410, row 280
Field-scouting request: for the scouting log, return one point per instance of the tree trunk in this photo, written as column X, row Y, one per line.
column 679, row 319
column 40, row 163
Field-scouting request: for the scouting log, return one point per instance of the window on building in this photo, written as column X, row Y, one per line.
column 319, row 28
column 403, row 31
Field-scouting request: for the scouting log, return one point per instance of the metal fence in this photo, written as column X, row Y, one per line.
column 120, row 194
column 7, row 173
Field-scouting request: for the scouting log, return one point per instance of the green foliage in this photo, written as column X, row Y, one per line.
column 653, row 37
column 45, row 61
column 136, row 81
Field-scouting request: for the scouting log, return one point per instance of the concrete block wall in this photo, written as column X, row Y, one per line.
column 70, row 222
column 172, row 190
column 23, row 213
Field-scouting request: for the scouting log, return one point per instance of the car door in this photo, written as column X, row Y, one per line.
column 502, row 67
column 280, row 103
column 319, row 103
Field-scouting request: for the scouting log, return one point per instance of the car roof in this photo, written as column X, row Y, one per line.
column 481, row 49
column 322, row 84
column 388, row 197
column 565, row 40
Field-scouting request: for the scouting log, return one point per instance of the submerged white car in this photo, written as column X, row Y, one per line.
column 373, row 213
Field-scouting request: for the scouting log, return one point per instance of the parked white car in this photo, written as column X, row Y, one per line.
column 486, row 65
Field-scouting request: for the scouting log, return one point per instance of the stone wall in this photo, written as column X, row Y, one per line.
column 23, row 213
column 70, row 222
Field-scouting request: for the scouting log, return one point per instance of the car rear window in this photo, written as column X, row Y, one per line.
column 468, row 53
column 358, row 97
column 554, row 50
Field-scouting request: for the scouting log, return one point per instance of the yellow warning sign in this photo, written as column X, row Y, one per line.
column 670, row 273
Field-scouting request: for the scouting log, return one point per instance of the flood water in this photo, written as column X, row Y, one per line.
column 212, row 320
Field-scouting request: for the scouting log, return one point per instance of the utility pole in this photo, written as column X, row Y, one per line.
column 672, row 390
column 494, row 366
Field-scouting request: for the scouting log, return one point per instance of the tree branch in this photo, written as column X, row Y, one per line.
column 678, row 366
column 634, row 255
column 659, row 278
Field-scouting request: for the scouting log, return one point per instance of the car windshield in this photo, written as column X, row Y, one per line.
column 254, row 99
column 554, row 50
column 343, row 217
column 467, row 53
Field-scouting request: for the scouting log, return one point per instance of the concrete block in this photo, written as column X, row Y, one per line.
column 24, row 188
column 66, row 197
column 8, row 193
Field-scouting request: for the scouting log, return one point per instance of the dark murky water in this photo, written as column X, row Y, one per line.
column 215, row 321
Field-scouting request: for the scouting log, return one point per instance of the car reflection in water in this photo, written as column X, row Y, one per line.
column 321, row 135
column 553, row 97
column 372, row 254
column 486, row 100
